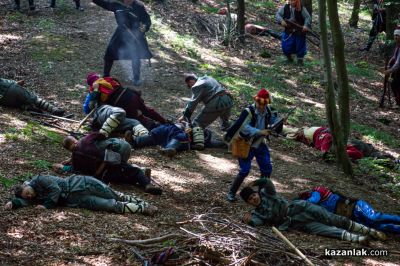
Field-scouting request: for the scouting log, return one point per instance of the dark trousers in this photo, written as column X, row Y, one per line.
column 125, row 173
column 395, row 85
column 136, row 64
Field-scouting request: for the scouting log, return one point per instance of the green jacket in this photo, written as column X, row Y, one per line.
column 272, row 209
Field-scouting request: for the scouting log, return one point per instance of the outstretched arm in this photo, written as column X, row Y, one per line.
column 106, row 4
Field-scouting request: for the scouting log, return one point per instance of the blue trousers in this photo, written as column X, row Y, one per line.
column 294, row 44
column 264, row 163
column 365, row 214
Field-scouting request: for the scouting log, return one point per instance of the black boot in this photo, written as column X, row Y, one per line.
column 17, row 5
column 78, row 5
column 52, row 3
column 31, row 5
column 136, row 72
column 107, row 67
column 234, row 188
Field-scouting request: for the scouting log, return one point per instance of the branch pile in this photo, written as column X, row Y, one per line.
column 216, row 239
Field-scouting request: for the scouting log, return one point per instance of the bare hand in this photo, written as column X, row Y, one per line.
column 21, row 83
column 40, row 207
column 246, row 217
column 57, row 167
column 265, row 132
column 8, row 206
column 305, row 29
column 284, row 24
column 182, row 118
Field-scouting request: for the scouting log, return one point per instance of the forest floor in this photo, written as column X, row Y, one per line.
column 53, row 50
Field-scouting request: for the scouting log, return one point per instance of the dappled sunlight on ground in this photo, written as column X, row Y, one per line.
column 6, row 37
column 218, row 164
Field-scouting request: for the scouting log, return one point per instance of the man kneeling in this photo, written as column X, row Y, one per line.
column 76, row 191
column 299, row 214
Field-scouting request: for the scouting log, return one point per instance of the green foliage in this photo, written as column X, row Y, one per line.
column 376, row 135
column 46, row 24
column 49, row 48
column 384, row 170
column 265, row 4
column 33, row 131
column 16, row 17
column 7, row 182
column 361, row 69
column 209, row 9
column 42, row 164
column 265, row 54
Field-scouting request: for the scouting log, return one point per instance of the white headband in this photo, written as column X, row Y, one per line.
column 397, row 32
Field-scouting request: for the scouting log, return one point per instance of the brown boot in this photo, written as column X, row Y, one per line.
column 150, row 210
column 151, row 189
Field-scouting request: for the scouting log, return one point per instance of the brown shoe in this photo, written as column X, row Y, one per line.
column 128, row 136
column 150, row 210
column 151, row 189
column 169, row 152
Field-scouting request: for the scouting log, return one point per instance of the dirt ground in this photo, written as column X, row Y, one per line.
column 53, row 50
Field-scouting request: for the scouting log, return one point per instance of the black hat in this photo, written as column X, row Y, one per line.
column 246, row 192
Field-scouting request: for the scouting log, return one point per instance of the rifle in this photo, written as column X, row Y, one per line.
column 279, row 123
column 70, row 132
column 54, row 116
column 386, row 90
column 297, row 27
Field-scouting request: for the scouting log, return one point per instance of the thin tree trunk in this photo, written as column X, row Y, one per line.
column 341, row 69
column 392, row 16
column 240, row 19
column 330, row 101
column 353, row 22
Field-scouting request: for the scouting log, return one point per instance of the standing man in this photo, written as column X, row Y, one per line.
column 394, row 68
column 294, row 38
column 217, row 103
column 14, row 94
column 17, row 5
column 252, row 125
column 128, row 41
column 378, row 23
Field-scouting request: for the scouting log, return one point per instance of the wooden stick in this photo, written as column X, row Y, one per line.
column 276, row 231
column 145, row 241
column 84, row 119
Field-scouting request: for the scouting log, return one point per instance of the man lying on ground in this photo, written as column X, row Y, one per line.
column 272, row 209
column 173, row 138
column 112, row 121
column 76, row 191
column 355, row 209
column 109, row 91
column 14, row 94
column 106, row 160
column 321, row 139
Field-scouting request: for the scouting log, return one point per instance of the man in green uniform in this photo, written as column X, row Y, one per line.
column 76, row 191
column 13, row 94
column 275, row 210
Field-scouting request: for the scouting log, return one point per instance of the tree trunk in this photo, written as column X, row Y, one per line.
column 330, row 101
column 353, row 22
column 341, row 69
column 240, row 19
column 392, row 16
